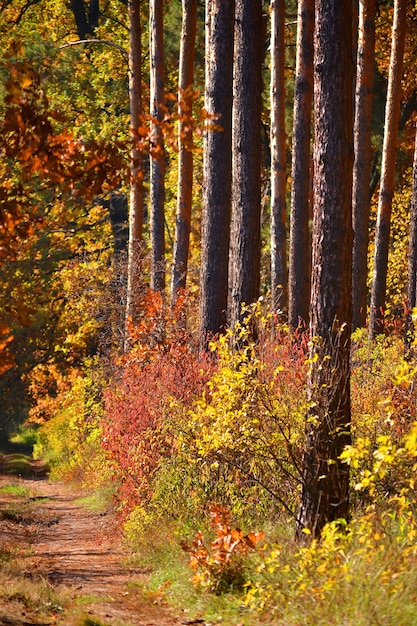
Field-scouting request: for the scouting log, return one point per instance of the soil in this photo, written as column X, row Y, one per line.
column 77, row 552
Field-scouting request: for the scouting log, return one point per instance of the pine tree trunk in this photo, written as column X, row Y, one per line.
column 325, row 492
column 363, row 160
column 412, row 260
column 81, row 19
column 136, row 166
column 386, row 191
column 157, row 161
column 300, row 243
column 279, row 281
column 185, row 147
column 217, row 169
column 246, row 193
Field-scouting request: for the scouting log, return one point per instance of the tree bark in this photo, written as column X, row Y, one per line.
column 217, row 169
column 300, row 243
column 136, row 164
column 279, row 280
column 412, row 261
column 363, row 160
column 325, row 492
column 386, row 191
column 185, row 147
column 81, row 19
column 246, row 141
column 157, row 159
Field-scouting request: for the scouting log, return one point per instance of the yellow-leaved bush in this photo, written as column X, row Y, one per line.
column 369, row 562
column 70, row 440
column 369, row 565
column 244, row 435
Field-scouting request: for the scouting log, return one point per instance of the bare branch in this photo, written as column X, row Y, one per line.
column 98, row 41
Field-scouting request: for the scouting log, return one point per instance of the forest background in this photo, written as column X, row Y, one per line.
column 132, row 383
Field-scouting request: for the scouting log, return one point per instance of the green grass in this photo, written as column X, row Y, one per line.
column 5, row 554
column 159, row 553
column 88, row 621
column 16, row 490
column 99, row 500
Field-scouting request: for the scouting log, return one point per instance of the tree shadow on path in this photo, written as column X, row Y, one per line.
column 73, row 551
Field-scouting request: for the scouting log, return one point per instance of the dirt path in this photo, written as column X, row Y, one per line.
column 76, row 552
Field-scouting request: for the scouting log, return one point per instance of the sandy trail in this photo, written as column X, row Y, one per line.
column 81, row 551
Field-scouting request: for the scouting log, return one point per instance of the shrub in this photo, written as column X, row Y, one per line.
column 370, row 564
column 242, row 443
column 70, row 440
column 384, row 397
column 219, row 564
column 162, row 370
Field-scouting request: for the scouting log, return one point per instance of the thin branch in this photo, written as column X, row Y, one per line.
column 22, row 11
column 99, row 41
column 82, row 228
column 236, row 464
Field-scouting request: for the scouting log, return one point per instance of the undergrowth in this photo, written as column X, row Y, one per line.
column 187, row 437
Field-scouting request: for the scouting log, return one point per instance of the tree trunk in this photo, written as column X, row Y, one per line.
column 118, row 211
column 412, row 260
column 325, row 492
column 279, row 281
column 157, row 161
column 81, row 20
column 363, row 160
column 185, row 147
column 136, row 163
column 386, row 191
column 246, row 192
column 217, row 169
column 300, row 245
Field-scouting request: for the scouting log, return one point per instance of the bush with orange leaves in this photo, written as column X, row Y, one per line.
column 219, row 565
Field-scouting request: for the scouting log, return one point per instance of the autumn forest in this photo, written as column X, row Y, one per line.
column 208, row 244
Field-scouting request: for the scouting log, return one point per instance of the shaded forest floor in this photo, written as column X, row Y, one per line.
column 63, row 564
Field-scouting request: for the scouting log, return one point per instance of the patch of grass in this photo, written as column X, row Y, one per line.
column 98, row 501
column 6, row 554
column 27, row 598
column 19, row 511
column 89, row 621
column 15, row 490
column 88, row 599
column 12, row 514
column 77, row 614
column 159, row 551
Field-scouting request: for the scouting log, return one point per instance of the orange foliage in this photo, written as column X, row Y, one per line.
column 35, row 153
column 220, row 561
column 6, row 358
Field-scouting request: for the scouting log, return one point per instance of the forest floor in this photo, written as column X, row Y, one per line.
column 63, row 564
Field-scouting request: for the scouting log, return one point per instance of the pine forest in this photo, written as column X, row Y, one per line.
column 208, row 306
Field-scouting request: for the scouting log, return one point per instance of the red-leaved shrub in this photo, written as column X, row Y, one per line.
column 163, row 370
